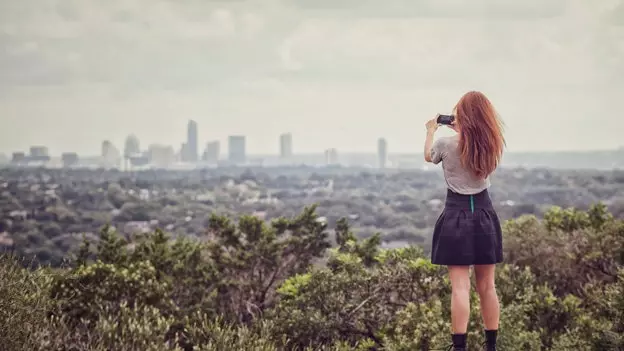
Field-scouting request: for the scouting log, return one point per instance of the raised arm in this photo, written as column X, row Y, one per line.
column 432, row 126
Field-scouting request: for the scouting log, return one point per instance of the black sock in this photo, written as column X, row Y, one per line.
column 490, row 336
column 459, row 340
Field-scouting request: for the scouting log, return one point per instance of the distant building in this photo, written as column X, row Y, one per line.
column 192, row 146
column 132, row 147
column 237, row 149
column 382, row 152
column 331, row 157
column 161, row 156
column 139, row 160
column 19, row 158
column 39, row 154
column 286, row 146
column 39, row 151
column 69, row 159
column 110, row 156
column 212, row 151
column 182, row 155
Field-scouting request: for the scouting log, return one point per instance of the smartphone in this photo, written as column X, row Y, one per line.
column 446, row 119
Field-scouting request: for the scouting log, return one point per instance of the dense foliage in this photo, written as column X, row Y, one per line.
column 253, row 285
column 45, row 212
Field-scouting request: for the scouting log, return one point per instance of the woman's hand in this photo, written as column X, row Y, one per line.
column 432, row 125
column 453, row 126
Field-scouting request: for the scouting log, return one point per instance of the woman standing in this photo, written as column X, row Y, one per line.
column 468, row 232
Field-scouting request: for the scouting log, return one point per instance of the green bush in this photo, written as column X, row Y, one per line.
column 261, row 286
column 24, row 303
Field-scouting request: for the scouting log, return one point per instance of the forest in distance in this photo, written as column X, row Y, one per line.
column 47, row 212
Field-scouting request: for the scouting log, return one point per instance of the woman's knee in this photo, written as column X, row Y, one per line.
column 461, row 286
column 460, row 279
column 486, row 286
column 485, row 276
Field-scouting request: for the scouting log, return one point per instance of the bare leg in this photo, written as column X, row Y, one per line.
column 460, row 298
column 490, row 309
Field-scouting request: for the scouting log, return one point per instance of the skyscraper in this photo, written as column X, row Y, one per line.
column 183, row 154
column 236, row 149
column 331, row 157
column 382, row 152
column 191, row 142
column 286, row 147
column 132, row 146
column 110, row 157
column 211, row 153
column 161, row 156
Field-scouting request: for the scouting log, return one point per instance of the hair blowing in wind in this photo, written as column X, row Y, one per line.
column 481, row 140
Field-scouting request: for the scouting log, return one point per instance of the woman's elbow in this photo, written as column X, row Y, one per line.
column 427, row 157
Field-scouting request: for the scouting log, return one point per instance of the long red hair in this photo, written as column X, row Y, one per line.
column 481, row 140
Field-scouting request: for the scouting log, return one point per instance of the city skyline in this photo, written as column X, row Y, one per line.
column 271, row 147
column 159, row 156
column 334, row 74
column 223, row 152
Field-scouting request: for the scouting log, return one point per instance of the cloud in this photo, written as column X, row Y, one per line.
column 141, row 43
column 333, row 59
column 288, row 62
column 462, row 51
column 449, row 9
column 162, row 44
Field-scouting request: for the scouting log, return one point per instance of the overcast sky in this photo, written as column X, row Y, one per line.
column 334, row 73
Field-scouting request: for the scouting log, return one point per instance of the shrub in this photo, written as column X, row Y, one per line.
column 256, row 286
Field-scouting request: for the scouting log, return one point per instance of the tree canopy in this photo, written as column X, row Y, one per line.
column 250, row 285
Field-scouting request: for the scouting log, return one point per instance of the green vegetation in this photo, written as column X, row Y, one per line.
column 252, row 285
column 45, row 212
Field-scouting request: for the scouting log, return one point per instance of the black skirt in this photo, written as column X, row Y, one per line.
column 468, row 232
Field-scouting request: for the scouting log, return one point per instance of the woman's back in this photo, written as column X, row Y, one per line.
column 468, row 231
column 458, row 178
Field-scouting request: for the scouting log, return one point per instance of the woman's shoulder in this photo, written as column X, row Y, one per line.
column 448, row 140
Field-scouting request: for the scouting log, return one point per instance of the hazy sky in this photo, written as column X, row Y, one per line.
column 335, row 73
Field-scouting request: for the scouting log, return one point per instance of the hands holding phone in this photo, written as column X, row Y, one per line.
column 447, row 120
column 432, row 125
